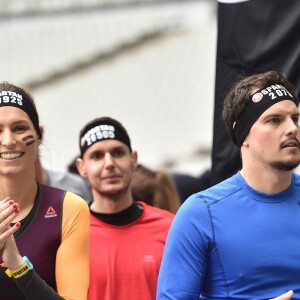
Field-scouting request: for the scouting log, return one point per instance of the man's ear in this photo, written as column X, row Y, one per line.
column 81, row 168
column 245, row 143
column 134, row 159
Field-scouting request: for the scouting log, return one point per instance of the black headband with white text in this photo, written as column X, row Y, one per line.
column 100, row 131
column 10, row 98
column 258, row 103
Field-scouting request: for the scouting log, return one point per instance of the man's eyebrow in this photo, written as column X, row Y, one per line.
column 96, row 151
column 118, row 148
column 272, row 115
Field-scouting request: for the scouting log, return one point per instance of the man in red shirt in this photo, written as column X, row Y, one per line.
column 127, row 236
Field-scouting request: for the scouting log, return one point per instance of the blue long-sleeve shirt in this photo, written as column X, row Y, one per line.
column 232, row 242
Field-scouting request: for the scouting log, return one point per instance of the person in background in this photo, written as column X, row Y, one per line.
column 188, row 185
column 156, row 188
column 127, row 237
column 44, row 231
column 63, row 180
column 239, row 239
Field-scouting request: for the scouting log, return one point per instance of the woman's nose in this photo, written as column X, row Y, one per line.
column 7, row 138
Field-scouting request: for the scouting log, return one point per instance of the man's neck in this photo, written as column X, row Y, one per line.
column 268, row 182
column 111, row 204
column 124, row 217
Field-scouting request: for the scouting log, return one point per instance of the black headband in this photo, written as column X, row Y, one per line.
column 9, row 98
column 258, row 103
column 102, row 130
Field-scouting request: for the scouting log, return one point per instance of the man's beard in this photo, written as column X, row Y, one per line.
column 285, row 165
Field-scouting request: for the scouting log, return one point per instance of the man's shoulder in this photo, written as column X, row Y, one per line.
column 156, row 212
column 219, row 191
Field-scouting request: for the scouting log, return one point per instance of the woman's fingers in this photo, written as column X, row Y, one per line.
column 8, row 212
column 9, row 231
column 287, row 296
column 6, row 199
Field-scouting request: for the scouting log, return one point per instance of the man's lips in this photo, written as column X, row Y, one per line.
column 291, row 144
column 110, row 177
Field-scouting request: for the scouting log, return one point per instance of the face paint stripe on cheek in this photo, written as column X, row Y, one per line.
column 27, row 138
column 30, row 143
column 30, row 138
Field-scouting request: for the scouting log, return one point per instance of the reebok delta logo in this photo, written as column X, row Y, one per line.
column 51, row 213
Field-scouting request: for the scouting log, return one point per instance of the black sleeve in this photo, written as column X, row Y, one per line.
column 33, row 287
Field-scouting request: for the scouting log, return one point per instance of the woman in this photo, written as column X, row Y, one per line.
column 44, row 231
column 156, row 188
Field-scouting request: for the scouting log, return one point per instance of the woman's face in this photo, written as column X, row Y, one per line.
column 18, row 142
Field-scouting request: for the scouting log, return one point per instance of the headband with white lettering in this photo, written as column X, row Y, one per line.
column 102, row 130
column 258, row 103
column 10, row 98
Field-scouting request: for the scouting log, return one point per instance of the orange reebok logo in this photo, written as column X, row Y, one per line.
column 51, row 213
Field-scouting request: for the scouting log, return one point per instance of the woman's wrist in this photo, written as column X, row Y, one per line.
column 22, row 270
column 16, row 264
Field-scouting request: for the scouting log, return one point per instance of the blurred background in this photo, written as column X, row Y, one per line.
column 148, row 63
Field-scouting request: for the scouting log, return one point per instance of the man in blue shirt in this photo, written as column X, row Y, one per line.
column 240, row 238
